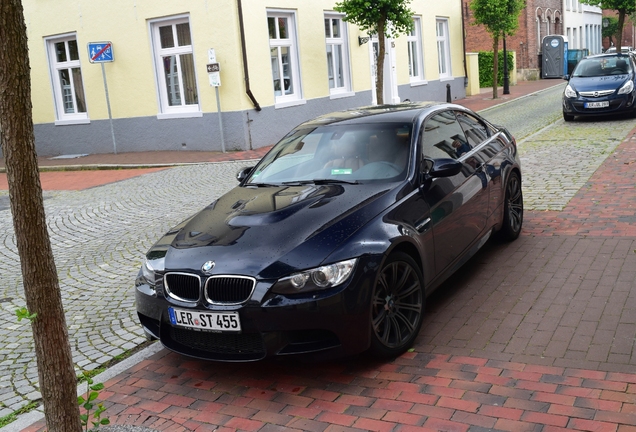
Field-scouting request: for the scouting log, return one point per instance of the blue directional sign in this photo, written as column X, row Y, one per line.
column 100, row 52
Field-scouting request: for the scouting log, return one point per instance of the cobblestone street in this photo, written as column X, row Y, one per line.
column 99, row 236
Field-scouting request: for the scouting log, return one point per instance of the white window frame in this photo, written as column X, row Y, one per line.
column 167, row 111
column 443, row 49
column 340, row 41
column 414, row 43
column 295, row 97
column 61, row 116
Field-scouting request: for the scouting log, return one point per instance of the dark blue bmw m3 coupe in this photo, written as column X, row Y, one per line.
column 330, row 245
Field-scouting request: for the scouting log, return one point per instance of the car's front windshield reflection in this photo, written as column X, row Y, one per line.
column 346, row 153
column 602, row 66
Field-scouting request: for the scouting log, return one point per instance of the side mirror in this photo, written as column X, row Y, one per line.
column 566, row 77
column 244, row 173
column 445, row 167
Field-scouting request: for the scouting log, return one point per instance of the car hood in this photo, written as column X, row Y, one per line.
column 267, row 232
column 610, row 82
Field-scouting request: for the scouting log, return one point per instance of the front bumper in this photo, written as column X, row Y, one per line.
column 322, row 324
column 617, row 104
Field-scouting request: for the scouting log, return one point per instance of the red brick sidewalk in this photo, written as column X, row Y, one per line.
column 416, row 392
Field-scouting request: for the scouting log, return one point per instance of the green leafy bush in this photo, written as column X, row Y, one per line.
column 485, row 67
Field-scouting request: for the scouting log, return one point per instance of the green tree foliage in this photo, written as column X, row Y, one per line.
column 499, row 17
column 611, row 31
column 382, row 17
column 624, row 9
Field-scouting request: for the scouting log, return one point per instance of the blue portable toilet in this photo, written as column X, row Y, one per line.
column 555, row 56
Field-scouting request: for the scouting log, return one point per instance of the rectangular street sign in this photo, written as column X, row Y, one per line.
column 100, row 52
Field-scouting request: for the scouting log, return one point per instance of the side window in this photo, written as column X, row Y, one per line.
column 443, row 137
column 284, row 57
column 174, row 63
column 66, row 74
column 337, row 54
column 476, row 132
column 414, row 44
column 443, row 48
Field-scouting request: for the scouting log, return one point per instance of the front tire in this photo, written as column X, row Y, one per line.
column 568, row 117
column 513, row 209
column 397, row 306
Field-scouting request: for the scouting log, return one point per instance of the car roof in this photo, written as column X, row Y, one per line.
column 608, row 55
column 397, row 113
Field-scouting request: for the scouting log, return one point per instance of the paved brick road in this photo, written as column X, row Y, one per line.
column 534, row 335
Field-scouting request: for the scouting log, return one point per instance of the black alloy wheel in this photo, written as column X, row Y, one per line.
column 397, row 306
column 513, row 209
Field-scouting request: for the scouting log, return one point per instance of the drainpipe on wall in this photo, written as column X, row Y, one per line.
column 464, row 44
column 257, row 107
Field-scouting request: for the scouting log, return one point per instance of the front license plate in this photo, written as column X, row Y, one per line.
column 603, row 104
column 201, row 320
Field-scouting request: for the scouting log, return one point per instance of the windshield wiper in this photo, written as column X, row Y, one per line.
column 318, row 182
column 262, row 184
column 334, row 181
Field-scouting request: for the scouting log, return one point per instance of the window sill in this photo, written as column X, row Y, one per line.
column 164, row 116
column 419, row 83
column 341, row 95
column 290, row 103
column 447, row 78
column 72, row 122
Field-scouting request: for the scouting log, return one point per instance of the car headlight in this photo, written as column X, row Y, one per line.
column 627, row 88
column 570, row 92
column 316, row 279
column 149, row 268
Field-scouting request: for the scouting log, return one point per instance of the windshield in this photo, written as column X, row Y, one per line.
column 337, row 153
column 602, row 66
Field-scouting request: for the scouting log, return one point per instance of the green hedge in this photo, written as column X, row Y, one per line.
column 485, row 67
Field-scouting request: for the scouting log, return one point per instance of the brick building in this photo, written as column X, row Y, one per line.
column 629, row 31
column 538, row 19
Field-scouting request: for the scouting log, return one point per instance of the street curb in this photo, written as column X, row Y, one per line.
column 25, row 420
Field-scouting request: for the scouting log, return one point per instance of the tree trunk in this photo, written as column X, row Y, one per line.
column 495, row 65
column 58, row 382
column 619, row 33
column 379, row 65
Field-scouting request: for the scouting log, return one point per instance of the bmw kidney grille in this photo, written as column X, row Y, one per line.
column 222, row 290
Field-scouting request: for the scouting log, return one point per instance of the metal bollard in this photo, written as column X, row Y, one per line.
column 448, row 94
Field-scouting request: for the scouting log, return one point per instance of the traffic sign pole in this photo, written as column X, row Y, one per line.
column 110, row 117
column 102, row 52
column 218, row 108
column 215, row 81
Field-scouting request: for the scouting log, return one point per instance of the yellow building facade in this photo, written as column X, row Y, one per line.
column 131, row 76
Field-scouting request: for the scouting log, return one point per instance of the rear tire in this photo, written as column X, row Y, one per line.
column 513, row 209
column 397, row 306
column 568, row 117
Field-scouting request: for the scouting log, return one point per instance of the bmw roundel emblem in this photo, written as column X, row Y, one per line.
column 207, row 267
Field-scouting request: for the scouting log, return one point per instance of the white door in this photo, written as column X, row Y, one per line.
column 390, row 90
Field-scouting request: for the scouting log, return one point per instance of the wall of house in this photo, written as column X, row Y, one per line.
column 587, row 21
column 139, row 121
